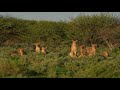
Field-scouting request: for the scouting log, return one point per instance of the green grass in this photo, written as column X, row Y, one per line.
column 58, row 65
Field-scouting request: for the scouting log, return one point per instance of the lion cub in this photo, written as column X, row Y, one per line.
column 105, row 53
column 37, row 48
column 82, row 51
column 91, row 50
column 44, row 50
column 20, row 52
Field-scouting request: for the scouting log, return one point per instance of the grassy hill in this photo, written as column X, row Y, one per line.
column 57, row 36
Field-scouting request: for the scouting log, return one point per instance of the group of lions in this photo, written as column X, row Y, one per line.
column 86, row 51
column 38, row 49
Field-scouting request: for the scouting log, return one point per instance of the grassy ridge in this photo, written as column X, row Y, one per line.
column 15, row 33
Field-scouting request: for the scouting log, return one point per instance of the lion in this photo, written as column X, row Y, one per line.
column 73, row 51
column 37, row 47
column 20, row 51
column 82, row 51
column 44, row 50
column 91, row 50
column 105, row 54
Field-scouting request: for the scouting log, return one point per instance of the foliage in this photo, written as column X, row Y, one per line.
column 57, row 36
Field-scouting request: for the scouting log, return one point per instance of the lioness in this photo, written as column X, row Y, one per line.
column 73, row 51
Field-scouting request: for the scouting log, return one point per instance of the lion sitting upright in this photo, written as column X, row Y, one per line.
column 20, row 51
column 44, row 50
column 37, row 48
column 73, row 52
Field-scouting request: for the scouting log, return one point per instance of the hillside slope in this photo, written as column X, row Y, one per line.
column 57, row 36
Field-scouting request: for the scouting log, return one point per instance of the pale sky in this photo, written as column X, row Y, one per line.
column 52, row 16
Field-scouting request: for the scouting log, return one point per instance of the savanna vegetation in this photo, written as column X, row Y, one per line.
column 57, row 37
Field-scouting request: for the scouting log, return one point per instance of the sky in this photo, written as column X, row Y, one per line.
column 52, row 16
